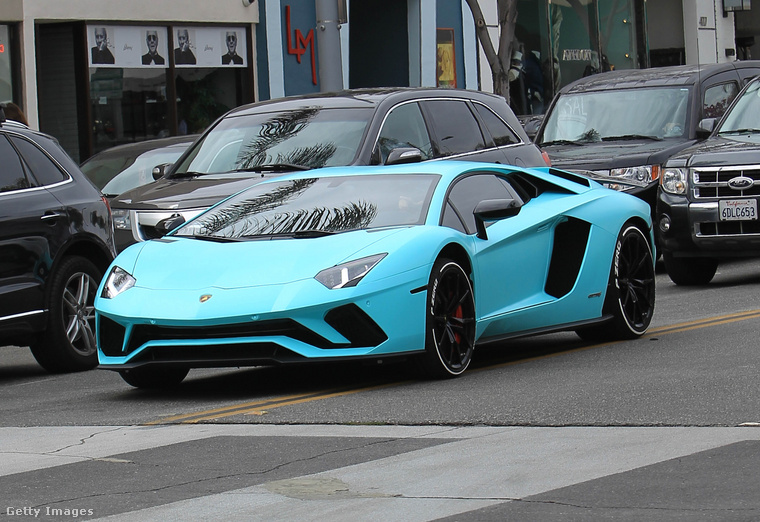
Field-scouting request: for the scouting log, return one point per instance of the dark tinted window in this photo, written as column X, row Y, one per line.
column 404, row 127
column 455, row 127
column 42, row 168
column 500, row 132
column 466, row 195
column 12, row 174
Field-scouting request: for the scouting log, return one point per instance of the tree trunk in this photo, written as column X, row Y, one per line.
column 498, row 61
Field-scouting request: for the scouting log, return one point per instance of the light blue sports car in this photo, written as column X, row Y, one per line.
column 425, row 261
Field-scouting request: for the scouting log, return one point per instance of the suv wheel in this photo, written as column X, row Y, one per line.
column 68, row 343
column 688, row 271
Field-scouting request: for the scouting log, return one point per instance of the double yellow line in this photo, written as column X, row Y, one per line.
column 263, row 406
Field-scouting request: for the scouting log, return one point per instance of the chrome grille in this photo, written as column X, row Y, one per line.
column 712, row 182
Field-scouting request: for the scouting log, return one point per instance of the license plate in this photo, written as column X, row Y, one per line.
column 737, row 209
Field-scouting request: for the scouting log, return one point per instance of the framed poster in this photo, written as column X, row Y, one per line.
column 446, row 73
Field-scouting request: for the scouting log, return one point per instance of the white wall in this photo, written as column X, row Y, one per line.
column 707, row 33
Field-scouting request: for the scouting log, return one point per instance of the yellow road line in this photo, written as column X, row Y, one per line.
column 260, row 407
column 257, row 407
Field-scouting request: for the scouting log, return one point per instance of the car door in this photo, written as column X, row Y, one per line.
column 31, row 218
column 512, row 263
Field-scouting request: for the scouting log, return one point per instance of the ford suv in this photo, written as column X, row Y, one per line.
column 707, row 207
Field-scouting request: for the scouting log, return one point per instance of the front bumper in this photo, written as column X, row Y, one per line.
column 697, row 231
column 382, row 319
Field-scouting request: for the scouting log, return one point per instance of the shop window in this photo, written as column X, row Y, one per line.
column 135, row 97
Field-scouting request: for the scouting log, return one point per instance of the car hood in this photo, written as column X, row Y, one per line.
column 186, row 193
column 718, row 151
column 242, row 264
column 610, row 155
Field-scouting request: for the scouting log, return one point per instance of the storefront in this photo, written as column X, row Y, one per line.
column 92, row 75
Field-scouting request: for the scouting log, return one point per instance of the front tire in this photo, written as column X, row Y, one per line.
column 630, row 291
column 154, row 378
column 686, row 271
column 449, row 321
column 68, row 343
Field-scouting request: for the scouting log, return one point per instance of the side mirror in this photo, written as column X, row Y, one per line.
column 404, row 155
column 166, row 225
column 159, row 171
column 705, row 127
column 492, row 210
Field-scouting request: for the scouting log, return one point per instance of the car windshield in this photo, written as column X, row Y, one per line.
column 310, row 137
column 744, row 117
column 317, row 206
column 115, row 173
column 653, row 113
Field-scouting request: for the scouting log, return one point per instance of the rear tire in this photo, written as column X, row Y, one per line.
column 630, row 291
column 68, row 342
column 155, row 377
column 450, row 321
column 686, row 271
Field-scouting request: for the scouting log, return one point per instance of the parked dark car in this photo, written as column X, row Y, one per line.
column 629, row 122
column 707, row 209
column 125, row 167
column 56, row 240
column 355, row 127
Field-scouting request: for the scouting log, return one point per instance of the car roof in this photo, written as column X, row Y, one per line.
column 139, row 147
column 359, row 98
column 674, row 75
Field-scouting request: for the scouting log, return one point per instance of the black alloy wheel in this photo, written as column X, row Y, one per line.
column 450, row 321
column 631, row 289
column 634, row 281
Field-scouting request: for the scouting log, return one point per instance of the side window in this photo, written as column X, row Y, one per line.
column 42, row 168
column 12, row 175
column 718, row 98
column 454, row 126
column 465, row 196
column 405, row 127
column 500, row 131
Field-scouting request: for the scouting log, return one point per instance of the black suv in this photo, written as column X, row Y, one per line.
column 708, row 200
column 354, row 127
column 629, row 122
column 56, row 240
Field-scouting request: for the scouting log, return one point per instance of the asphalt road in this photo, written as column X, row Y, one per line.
column 661, row 428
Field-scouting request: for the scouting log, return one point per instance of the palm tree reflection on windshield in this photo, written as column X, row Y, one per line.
column 279, row 129
column 258, row 215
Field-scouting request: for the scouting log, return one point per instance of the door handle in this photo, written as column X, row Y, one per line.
column 51, row 215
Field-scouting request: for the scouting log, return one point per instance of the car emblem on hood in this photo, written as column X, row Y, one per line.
column 205, row 297
column 741, row 183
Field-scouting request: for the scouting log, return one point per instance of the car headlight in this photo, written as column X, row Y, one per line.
column 674, row 181
column 118, row 281
column 121, row 220
column 643, row 173
column 348, row 274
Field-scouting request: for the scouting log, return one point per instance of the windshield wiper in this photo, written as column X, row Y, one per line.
column 273, row 167
column 298, row 234
column 740, row 131
column 561, row 142
column 215, row 239
column 189, row 174
column 631, row 137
